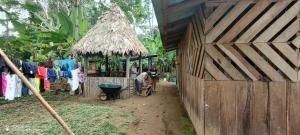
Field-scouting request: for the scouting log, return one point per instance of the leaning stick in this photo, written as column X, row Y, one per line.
column 36, row 93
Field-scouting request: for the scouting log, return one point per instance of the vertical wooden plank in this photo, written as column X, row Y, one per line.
column 259, row 104
column 212, row 108
column 277, row 108
column 293, row 122
column 228, row 108
column 201, row 108
column 243, row 106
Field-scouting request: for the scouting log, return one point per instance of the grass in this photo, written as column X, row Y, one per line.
column 27, row 116
column 187, row 126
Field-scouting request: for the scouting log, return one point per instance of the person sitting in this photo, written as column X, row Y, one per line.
column 140, row 81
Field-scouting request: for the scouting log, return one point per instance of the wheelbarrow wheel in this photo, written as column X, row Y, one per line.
column 103, row 96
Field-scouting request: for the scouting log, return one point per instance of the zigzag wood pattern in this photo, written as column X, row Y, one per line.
column 255, row 41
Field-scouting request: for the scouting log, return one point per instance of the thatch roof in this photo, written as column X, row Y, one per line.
column 112, row 35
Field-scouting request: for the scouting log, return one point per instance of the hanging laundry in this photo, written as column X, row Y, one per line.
column 66, row 65
column 66, row 74
column 29, row 68
column 50, row 63
column 32, row 82
column 1, row 93
column 25, row 90
column 42, row 73
column 46, row 85
column 81, row 77
column 74, row 81
column 52, row 76
column 11, row 87
column 57, row 71
column 2, row 68
column 18, row 90
column 37, row 83
column 4, row 84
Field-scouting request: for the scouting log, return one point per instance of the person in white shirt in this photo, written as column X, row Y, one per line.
column 140, row 81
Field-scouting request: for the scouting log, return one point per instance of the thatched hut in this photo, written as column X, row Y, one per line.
column 111, row 36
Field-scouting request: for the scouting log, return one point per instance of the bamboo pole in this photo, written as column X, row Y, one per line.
column 36, row 93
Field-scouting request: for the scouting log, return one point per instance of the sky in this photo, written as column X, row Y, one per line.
column 24, row 15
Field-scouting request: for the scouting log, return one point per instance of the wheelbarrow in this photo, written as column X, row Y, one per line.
column 109, row 91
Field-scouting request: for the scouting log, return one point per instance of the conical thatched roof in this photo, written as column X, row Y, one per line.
column 112, row 35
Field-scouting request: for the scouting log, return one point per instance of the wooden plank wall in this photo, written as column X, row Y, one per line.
column 250, row 49
column 190, row 69
column 251, row 108
column 253, row 40
column 91, row 84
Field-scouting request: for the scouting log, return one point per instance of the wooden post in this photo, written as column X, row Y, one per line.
column 128, row 73
column 36, row 93
column 106, row 65
column 127, row 67
column 85, row 66
column 140, row 64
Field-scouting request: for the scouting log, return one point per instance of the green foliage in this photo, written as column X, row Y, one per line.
column 135, row 10
column 154, row 46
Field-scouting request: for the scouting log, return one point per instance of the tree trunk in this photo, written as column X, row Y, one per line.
column 76, row 27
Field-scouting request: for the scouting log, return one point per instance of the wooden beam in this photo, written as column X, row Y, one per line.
column 165, row 18
column 175, row 34
column 184, row 5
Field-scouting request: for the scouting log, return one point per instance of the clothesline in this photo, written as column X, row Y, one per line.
column 39, row 76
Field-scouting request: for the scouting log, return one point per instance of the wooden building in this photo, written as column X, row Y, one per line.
column 238, row 63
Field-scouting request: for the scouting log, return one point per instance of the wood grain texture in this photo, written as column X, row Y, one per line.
column 263, row 21
column 223, row 62
column 247, row 68
column 246, row 20
column 213, row 70
column 228, row 108
column 212, row 109
column 259, row 123
column 277, row 60
column 260, row 62
column 278, row 107
column 227, row 20
column 293, row 122
column 216, row 15
column 279, row 23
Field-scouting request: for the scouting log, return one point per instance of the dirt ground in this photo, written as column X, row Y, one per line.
column 159, row 114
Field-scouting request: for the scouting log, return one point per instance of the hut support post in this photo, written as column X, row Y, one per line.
column 127, row 73
column 85, row 66
column 37, row 94
column 140, row 64
column 106, row 66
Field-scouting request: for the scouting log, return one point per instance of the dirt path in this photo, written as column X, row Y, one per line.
column 159, row 114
